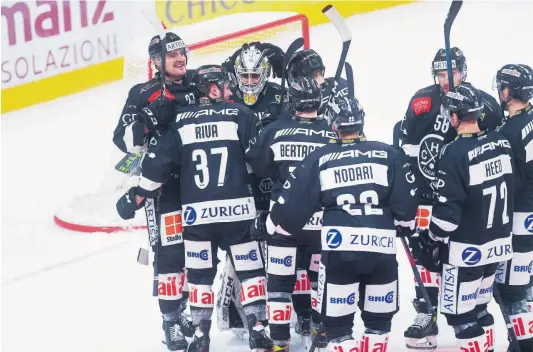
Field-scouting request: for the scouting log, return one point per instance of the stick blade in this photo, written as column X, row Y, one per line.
column 150, row 15
column 338, row 21
column 452, row 13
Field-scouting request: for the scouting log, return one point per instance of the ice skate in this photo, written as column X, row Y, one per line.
column 186, row 325
column 303, row 328
column 174, row 339
column 421, row 335
column 281, row 348
column 259, row 341
column 318, row 338
column 200, row 342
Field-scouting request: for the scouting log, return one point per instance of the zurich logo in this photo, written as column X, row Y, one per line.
column 471, row 256
column 528, row 223
column 333, row 239
column 189, row 215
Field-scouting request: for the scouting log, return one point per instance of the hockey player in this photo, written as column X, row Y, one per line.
column 470, row 228
column 135, row 128
column 279, row 148
column 208, row 141
column 307, row 63
column 366, row 191
column 253, row 64
column 514, row 84
column 424, row 131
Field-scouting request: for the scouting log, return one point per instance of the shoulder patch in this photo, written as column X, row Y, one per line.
column 421, row 105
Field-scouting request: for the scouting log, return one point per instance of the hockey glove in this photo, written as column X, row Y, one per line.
column 127, row 205
column 429, row 251
column 158, row 114
column 229, row 65
column 258, row 230
column 402, row 231
column 275, row 56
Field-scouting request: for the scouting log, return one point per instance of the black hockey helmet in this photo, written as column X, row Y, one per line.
column 304, row 94
column 457, row 59
column 466, row 101
column 173, row 42
column 346, row 114
column 205, row 75
column 304, row 63
column 519, row 80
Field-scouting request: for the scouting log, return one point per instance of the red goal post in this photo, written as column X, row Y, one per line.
column 95, row 212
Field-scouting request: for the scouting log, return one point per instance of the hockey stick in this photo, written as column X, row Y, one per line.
column 295, row 45
column 419, row 281
column 505, row 313
column 151, row 17
column 452, row 14
column 349, row 79
column 335, row 17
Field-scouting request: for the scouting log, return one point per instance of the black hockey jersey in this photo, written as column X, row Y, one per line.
column 425, row 130
column 396, row 133
column 208, row 142
column 518, row 129
column 365, row 188
column 271, row 95
column 139, row 97
column 282, row 146
column 474, row 199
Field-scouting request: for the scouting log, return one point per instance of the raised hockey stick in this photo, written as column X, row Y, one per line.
column 452, row 14
column 346, row 36
column 505, row 313
column 350, row 79
column 151, row 17
column 295, row 45
column 419, row 280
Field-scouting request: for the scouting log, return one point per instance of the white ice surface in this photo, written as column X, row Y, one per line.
column 67, row 291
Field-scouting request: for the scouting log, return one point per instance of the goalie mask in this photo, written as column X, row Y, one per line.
column 252, row 70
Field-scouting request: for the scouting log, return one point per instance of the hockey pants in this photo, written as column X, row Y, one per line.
column 170, row 252
column 350, row 278
column 292, row 272
column 430, row 279
column 201, row 247
column 514, row 279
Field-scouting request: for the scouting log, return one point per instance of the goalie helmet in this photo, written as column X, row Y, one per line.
column 457, row 59
column 346, row 114
column 305, row 63
column 518, row 79
column 304, row 94
column 206, row 75
column 252, row 70
column 465, row 101
column 173, row 42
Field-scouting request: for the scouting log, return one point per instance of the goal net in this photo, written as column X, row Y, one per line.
column 96, row 212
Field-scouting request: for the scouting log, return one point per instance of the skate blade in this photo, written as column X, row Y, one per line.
column 261, row 349
column 239, row 333
column 180, row 350
column 307, row 341
column 428, row 343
